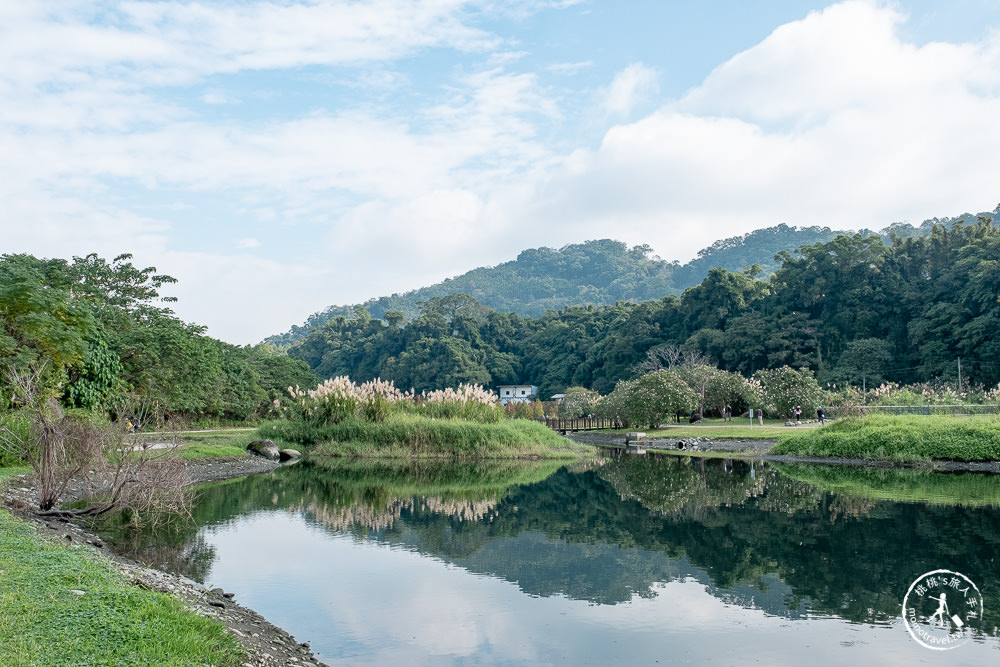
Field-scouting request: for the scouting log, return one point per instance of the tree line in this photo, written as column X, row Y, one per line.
column 855, row 309
column 92, row 331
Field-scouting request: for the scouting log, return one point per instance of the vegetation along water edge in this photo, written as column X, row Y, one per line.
column 900, row 438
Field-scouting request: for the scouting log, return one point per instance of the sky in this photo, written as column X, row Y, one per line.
column 278, row 157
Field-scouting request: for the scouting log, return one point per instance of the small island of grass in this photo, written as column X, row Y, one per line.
column 376, row 420
column 900, row 438
column 404, row 436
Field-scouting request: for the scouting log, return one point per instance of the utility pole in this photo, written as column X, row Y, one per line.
column 960, row 375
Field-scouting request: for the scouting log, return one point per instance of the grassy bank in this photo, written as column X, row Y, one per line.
column 414, row 436
column 222, row 443
column 44, row 622
column 900, row 438
column 900, row 485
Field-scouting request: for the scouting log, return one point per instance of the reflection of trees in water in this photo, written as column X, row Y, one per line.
column 672, row 484
column 175, row 547
column 611, row 533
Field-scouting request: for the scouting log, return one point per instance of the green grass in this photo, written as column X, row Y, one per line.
column 900, row 438
column 721, row 430
column 42, row 622
column 6, row 474
column 900, row 485
column 226, row 443
column 414, row 436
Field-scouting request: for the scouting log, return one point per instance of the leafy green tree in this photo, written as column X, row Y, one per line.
column 41, row 326
column 866, row 358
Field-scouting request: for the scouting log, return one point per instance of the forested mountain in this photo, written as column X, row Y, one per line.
column 596, row 272
column 903, row 310
column 602, row 272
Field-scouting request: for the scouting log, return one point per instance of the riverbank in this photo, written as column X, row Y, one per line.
column 766, row 449
column 684, row 444
column 259, row 641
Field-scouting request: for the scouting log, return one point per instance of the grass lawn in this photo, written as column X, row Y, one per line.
column 736, row 429
column 219, row 443
column 63, row 605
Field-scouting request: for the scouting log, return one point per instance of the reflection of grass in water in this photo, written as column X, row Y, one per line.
column 907, row 485
column 452, row 479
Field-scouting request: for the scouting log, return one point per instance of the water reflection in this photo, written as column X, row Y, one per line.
column 467, row 558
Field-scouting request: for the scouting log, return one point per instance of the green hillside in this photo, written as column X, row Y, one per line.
column 603, row 272
column 599, row 272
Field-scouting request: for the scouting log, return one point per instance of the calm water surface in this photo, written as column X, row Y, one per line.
column 640, row 560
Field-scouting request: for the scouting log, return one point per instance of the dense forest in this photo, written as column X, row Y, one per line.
column 903, row 305
column 603, row 273
column 94, row 333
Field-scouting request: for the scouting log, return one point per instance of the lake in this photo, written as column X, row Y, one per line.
column 641, row 560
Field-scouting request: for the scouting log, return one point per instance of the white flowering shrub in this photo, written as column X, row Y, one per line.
column 784, row 388
column 655, row 397
column 578, row 402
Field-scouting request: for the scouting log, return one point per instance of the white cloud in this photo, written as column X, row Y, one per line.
column 629, row 87
column 831, row 120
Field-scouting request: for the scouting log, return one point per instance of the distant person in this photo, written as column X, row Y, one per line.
column 727, row 414
column 797, row 413
column 820, row 415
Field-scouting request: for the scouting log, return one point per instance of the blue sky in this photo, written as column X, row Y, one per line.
column 281, row 156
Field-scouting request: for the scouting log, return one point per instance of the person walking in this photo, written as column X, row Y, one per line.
column 820, row 415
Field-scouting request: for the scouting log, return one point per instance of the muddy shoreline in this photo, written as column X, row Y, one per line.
column 266, row 644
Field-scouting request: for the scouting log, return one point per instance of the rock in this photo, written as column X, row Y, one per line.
column 289, row 454
column 265, row 448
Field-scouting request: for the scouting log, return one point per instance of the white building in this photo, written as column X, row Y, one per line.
column 517, row 393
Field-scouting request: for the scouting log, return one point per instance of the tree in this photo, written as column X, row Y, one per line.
column 785, row 387
column 655, row 397
column 865, row 358
column 728, row 389
column 578, row 402
column 41, row 326
column 113, row 466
